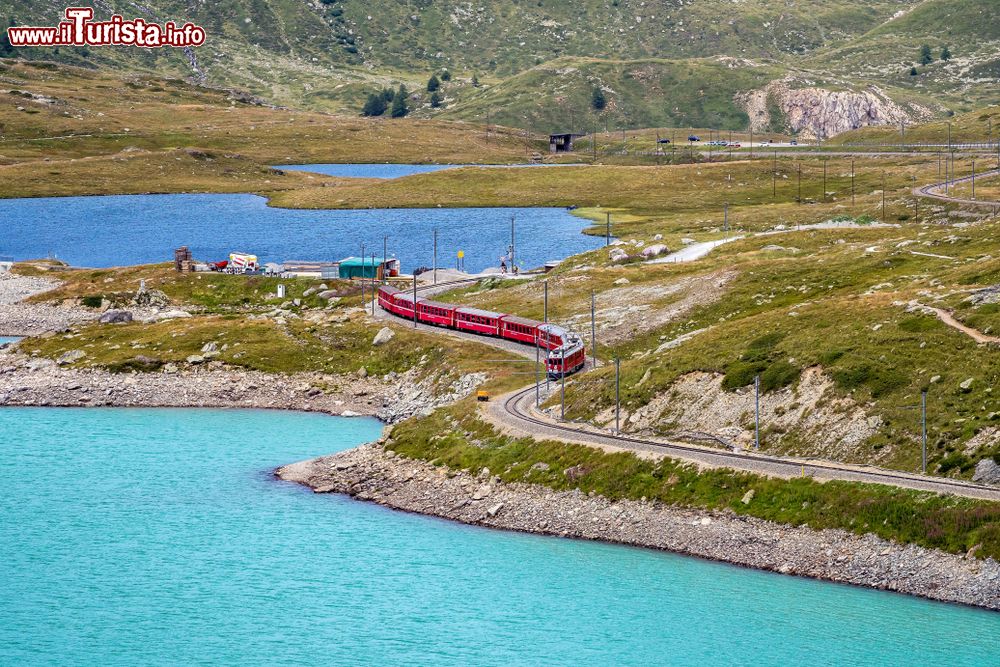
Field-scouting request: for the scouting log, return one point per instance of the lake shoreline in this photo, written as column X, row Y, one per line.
column 371, row 473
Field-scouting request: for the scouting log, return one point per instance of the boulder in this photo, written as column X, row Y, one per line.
column 115, row 317
column 987, row 472
column 654, row 250
column 70, row 356
column 195, row 359
column 617, row 255
column 173, row 315
column 622, row 281
column 384, row 335
column 328, row 294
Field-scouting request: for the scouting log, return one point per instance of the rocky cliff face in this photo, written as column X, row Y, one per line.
column 817, row 112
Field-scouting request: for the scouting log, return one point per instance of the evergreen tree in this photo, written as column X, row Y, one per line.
column 399, row 107
column 433, row 83
column 387, row 96
column 375, row 106
column 5, row 46
column 446, row 75
column 436, row 99
column 946, row 53
column 597, row 100
column 913, row 71
column 925, row 55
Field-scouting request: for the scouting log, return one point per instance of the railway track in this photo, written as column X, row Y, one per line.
column 514, row 411
column 933, row 191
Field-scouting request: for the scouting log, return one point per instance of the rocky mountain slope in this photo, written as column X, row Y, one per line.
column 815, row 66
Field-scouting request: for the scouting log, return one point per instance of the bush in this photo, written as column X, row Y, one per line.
column 741, row 373
column 93, row 301
column 955, row 460
column 777, row 375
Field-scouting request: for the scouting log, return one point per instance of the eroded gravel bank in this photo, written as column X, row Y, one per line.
column 371, row 473
column 27, row 381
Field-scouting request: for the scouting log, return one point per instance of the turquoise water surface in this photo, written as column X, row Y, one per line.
column 156, row 537
column 8, row 339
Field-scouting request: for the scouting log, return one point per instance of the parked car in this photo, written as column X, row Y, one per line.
column 793, row 142
column 693, row 138
column 663, row 141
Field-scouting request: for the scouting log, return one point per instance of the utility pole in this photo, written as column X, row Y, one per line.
column 923, row 429
column 362, row 276
column 774, row 176
column 538, row 380
column 435, row 264
column 607, row 234
column 385, row 257
column 374, row 276
column 512, row 244
column 800, row 182
column 973, row 179
column 593, row 326
column 562, row 390
column 883, row 196
column 545, row 319
column 756, row 401
column 824, row 179
column 618, row 394
column 852, row 182
column 414, row 300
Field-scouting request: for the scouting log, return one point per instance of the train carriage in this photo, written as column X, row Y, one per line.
column 519, row 329
column 436, row 312
column 567, row 358
column 480, row 321
column 551, row 336
column 565, row 352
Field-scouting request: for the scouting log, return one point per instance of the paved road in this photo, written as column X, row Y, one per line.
column 515, row 414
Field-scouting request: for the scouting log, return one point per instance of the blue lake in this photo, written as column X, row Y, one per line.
column 8, row 339
column 158, row 537
column 367, row 170
column 134, row 229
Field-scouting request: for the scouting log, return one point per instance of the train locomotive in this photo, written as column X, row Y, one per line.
column 565, row 352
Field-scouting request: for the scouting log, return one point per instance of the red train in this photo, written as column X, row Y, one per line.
column 566, row 353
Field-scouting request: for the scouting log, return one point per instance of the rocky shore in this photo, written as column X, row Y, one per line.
column 375, row 474
column 27, row 381
column 30, row 319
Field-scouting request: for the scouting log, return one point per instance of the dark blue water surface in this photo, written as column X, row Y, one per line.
column 158, row 537
column 136, row 229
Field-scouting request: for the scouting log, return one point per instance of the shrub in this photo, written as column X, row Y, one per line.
column 92, row 301
column 777, row 375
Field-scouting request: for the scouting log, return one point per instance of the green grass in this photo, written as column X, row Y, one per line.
column 456, row 438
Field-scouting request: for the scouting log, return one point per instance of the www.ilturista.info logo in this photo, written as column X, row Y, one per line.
column 79, row 30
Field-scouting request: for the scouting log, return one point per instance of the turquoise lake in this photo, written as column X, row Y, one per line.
column 159, row 537
column 136, row 229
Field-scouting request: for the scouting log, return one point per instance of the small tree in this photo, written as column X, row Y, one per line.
column 436, row 99
column 475, row 80
column 946, row 53
column 399, row 107
column 387, row 95
column 446, row 75
column 433, row 83
column 913, row 71
column 6, row 48
column 925, row 55
column 597, row 100
column 375, row 106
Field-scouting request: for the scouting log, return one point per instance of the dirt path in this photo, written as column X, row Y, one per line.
column 950, row 320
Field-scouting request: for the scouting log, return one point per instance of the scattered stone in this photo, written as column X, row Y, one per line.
column 115, row 317
column 622, row 281
column 384, row 335
column 987, row 472
column 70, row 357
column 966, row 384
column 747, row 497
